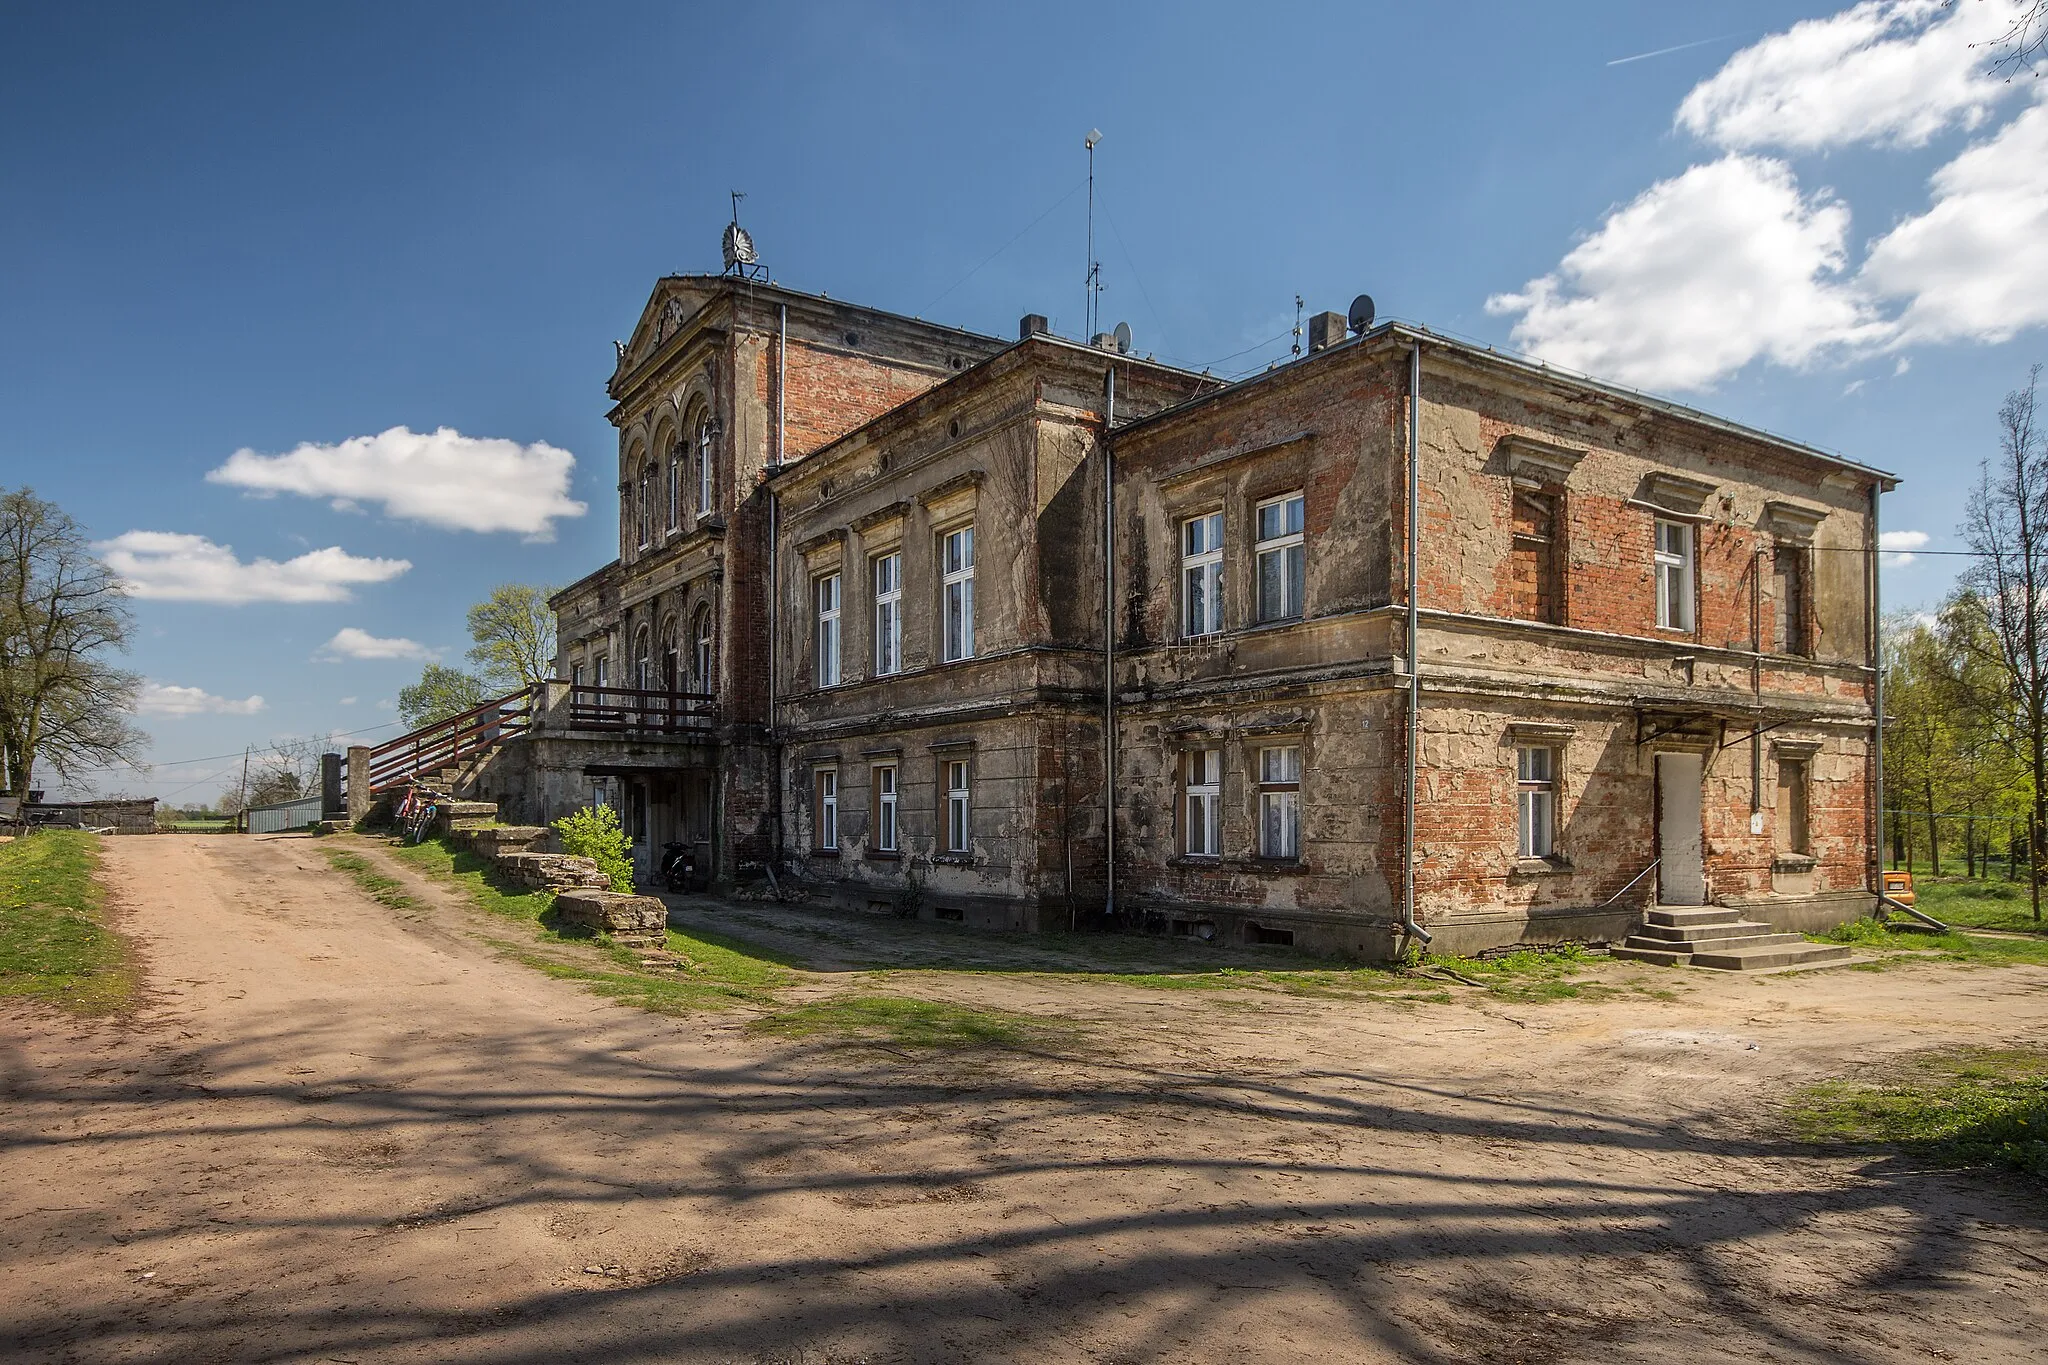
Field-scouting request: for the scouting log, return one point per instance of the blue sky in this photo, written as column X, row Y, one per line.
column 261, row 228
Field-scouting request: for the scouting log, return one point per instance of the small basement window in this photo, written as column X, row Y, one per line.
column 949, row 912
column 1259, row 933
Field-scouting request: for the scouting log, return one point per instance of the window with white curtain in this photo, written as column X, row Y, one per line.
column 957, row 587
column 1282, row 557
column 1280, row 802
column 827, row 588
column 1201, row 575
column 1674, row 575
column 1204, row 804
column 888, row 613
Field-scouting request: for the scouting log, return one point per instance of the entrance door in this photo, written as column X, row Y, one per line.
column 1681, row 871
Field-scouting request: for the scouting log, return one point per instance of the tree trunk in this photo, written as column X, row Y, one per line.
column 1933, row 827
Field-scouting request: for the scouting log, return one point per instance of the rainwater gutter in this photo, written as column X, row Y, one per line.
column 1109, row 646
column 1408, row 921
column 774, row 574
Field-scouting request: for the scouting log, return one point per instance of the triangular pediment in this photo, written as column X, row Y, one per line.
column 672, row 306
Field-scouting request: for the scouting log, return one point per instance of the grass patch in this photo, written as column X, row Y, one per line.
column 1904, row 943
column 1979, row 1107
column 443, row 861
column 687, row 992
column 1981, row 905
column 54, row 941
column 379, row 886
column 905, row 1022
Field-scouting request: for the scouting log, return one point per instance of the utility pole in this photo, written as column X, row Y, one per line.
column 1091, row 312
column 242, row 792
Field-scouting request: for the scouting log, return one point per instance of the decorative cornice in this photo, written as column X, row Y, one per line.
column 1538, row 462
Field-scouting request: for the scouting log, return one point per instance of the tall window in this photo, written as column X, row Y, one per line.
column 671, row 657
column 958, row 589
column 1674, row 575
column 704, row 467
column 1788, row 590
column 1533, row 558
column 1535, row 801
column 675, row 486
column 1280, row 558
column 888, row 613
column 1201, row 575
column 601, row 670
column 646, row 508
column 700, row 650
column 828, row 808
column 576, row 675
column 1204, row 802
column 828, row 630
column 643, row 661
column 885, row 807
column 957, row 839
column 1792, row 806
column 1280, row 802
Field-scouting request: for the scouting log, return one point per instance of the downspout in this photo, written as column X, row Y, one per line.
column 1109, row 648
column 774, row 575
column 1408, row 923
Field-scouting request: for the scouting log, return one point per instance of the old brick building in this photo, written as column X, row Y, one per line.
column 859, row 632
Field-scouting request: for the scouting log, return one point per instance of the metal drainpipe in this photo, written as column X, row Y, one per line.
column 1877, row 659
column 774, row 576
column 1109, row 648
column 1408, row 923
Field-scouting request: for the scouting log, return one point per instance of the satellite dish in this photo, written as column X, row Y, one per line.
column 1123, row 338
column 739, row 247
column 1360, row 316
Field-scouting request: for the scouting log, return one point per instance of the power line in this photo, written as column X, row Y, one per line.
column 1004, row 247
column 210, row 758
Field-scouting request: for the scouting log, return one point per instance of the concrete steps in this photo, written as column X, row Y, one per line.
column 1709, row 936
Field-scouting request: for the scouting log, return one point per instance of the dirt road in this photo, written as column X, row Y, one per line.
column 338, row 1132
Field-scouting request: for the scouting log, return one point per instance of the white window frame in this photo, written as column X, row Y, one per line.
column 956, row 620
column 825, row 598
column 1201, row 576
column 601, row 670
column 959, row 807
column 646, row 512
column 826, row 782
column 1280, row 802
column 701, row 651
column 675, row 486
column 887, row 577
column 1202, row 808
column 706, row 468
column 1674, row 575
column 883, row 776
column 1535, row 800
column 1289, row 546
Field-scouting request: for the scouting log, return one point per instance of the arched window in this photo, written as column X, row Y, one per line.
column 671, row 658
column 675, row 486
column 643, row 661
column 700, row 650
column 705, row 466
column 646, row 509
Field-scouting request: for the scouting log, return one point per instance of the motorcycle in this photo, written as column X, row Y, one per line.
column 678, row 866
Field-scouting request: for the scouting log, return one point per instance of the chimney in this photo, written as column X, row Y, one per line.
column 1031, row 325
column 1105, row 341
column 1326, row 329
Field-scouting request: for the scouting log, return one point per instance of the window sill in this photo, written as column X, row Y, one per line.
column 1195, row 860
column 824, row 853
column 954, row 859
column 1283, row 867
column 883, row 855
column 1539, row 867
column 1794, row 862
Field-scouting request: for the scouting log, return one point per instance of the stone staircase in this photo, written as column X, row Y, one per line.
column 1708, row 936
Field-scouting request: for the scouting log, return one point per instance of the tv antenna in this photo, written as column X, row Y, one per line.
column 1297, row 324
column 1092, row 312
column 738, row 246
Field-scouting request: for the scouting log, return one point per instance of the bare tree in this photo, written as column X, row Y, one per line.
column 514, row 630
column 2007, row 528
column 62, row 614
column 2015, row 51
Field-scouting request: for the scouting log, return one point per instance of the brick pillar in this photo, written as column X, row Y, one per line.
column 359, row 799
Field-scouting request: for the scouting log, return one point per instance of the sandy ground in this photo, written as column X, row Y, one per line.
column 336, row 1132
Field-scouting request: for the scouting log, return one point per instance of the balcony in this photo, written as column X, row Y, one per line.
column 632, row 711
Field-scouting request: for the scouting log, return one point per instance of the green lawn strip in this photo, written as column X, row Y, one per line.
column 1977, row 1107
column 1980, row 905
column 54, row 941
column 1904, row 943
column 379, row 886
column 722, row 972
column 906, row 1022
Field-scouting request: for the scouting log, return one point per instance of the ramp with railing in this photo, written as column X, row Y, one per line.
column 447, row 743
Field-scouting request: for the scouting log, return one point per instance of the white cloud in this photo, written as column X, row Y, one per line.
column 171, row 566
column 1896, row 545
column 346, row 701
column 1975, row 266
column 1891, row 72
column 163, row 699
column 1695, row 278
column 463, row 483
column 352, row 643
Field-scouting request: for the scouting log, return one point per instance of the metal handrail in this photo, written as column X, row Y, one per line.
column 1631, row 882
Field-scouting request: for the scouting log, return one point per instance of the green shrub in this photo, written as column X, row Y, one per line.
column 594, row 833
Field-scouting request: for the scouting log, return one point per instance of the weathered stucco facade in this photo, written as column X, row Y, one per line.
column 859, row 633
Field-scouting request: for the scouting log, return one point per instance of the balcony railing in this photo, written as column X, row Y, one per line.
column 628, row 710
column 447, row 743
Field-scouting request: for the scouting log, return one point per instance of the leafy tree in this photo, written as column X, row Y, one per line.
column 62, row 614
column 514, row 630
column 440, row 693
column 594, row 832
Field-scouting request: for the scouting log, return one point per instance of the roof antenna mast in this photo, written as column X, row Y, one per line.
column 1092, row 312
column 1297, row 324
